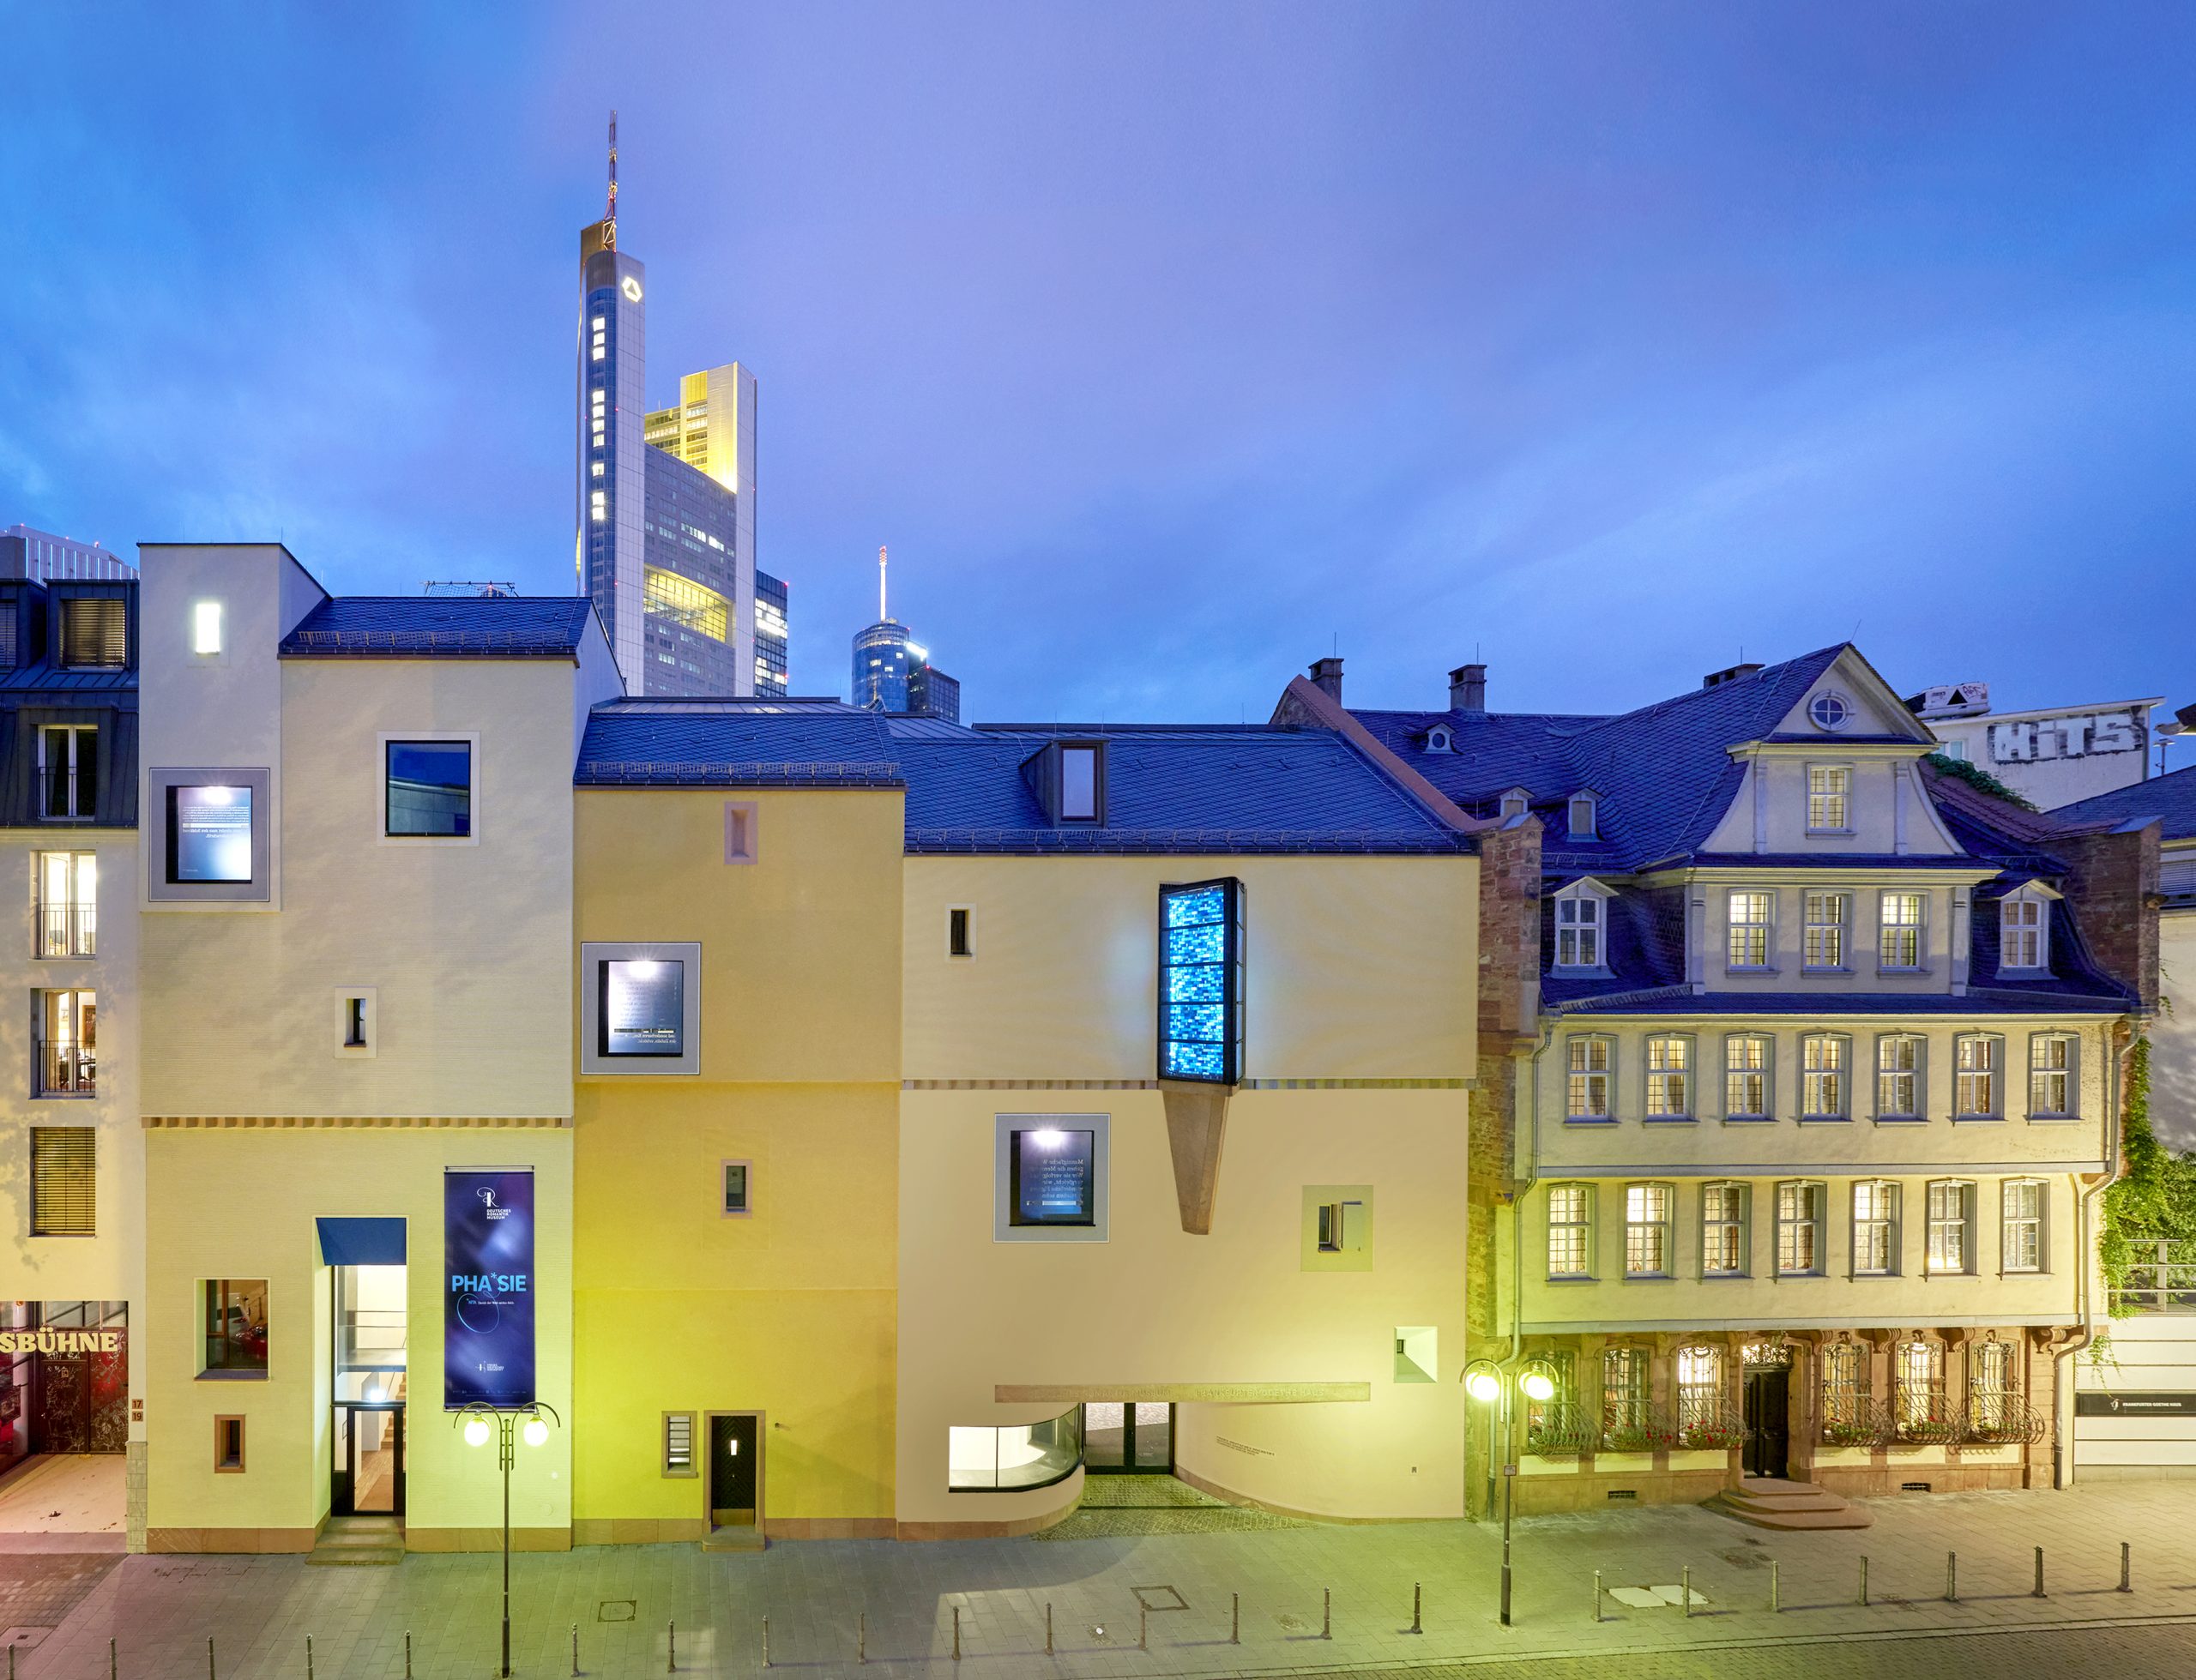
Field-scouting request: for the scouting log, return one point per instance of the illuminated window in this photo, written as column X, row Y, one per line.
column 1587, row 1089
column 1747, row 1062
column 1569, row 1231
column 1051, row 1178
column 1824, row 931
column 1951, row 1206
column 1829, row 791
column 1748, row 922
column 1918, row 1388
column 1799, row 1229
column 1990, row 1397
column 1669, row 1076
column 1845, row 1412
column 2051, row 1074
column 235, row 1326
column 1579, row 928
column 639, row 1009
column 1647, row 1231
column 1699, row 1372
column 1624, row 1395
column 1898, row 1076
column 2021, row 1234
column 1201, row 981
column 684, row 602
column 1722, row 1231
column 2023, row 930
column 1976, row 1059
column 1898, row 933
column 1822, row 1076
column 598, row 506
column 94, row 632
column 66, row 922
column 206, row 628
column 1875, row 1228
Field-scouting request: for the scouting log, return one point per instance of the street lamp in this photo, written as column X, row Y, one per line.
column 1488, row 1383
column 477, row 1415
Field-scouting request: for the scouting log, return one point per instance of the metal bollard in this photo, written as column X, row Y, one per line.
column 308, row 1657
column 1951, row 1577
column 671, row 1648
column 1142, row 1627
column 1864, row 1580
column 11, row 1663
column 407, row 1651
column 576, row 1652
column 2038, row 1594
column 1417, row 1603
column 113, row 1666
column 1048, row 1628
column 209, row 1657
column 957, row 1633
column 1235, row 1618
column 1684, row 1589
column 2126, row 1576
column 766, row 1642
column 1326, row 1612
column 1774, row 1606
column 861, row 1638
column 1597, row 1595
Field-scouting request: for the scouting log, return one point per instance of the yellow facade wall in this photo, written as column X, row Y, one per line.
column 792, row 1309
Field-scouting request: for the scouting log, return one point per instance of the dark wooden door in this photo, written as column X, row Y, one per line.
column 733, row 1469
column 1769, row 1422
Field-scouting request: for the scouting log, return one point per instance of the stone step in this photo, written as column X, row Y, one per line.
column 359, row 1540
column 737, row 1537
column 1819, row 1500
column 1792, row 1506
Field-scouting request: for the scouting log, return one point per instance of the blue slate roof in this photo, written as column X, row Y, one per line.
column 420, row 626
column 734, row 743
column 2171, row 799
column 1676, row 1001
column 1662, row 771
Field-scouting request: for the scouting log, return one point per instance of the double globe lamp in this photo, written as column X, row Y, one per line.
column 1487, row 1383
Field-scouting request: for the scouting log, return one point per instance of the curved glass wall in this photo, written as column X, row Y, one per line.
column 981, row 1459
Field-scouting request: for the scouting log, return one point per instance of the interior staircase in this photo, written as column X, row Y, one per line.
column 1768, row 1502
column 369, row 1539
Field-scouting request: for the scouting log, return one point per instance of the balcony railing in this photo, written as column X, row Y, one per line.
column 2161, row 1278
column 1857, row 1421
column 1925, row 1420
column 67, row 930
column 1709, row 1426
column 2002, row 1420
column 1562, row 1430
column 65, row 1069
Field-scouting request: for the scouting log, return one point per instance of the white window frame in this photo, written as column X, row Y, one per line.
column 1825, row 1073
column 472, row 740
column 2025, row 927
column 78, row 909
column 1515, row 803
column 1668, row 1060
column 1766, row 1073
column 1586, row 902
column 2068, row 1074
column 2010, row 1223
column 1585, row 803
column 1735, row 961
column 1918, row 1073
column 1833, row 800
column 1583, row 1223
column 1583, row 1080
column 1736, row 1222
column 1948, row 1221
column 76, row 734
column 1651, row 1235
column 1882, row 1215
column 1890, row 934
column 1967, row 1081
column 1833, row 932
column 1813, row 1222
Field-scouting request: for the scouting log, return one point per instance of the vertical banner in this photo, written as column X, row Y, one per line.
column 488, row 1290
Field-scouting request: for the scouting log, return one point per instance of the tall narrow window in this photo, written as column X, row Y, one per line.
column 67, row 920
column 1822, row 1088
column 1571, row 1231
column 1081, row 784
column 1918, row 1380
column 1669, row 1076
column 1825, row 929
column 1898, row 932
column 1745, row 1076
column 1975, row 1075
column 1577, row 929
column 68, row 771
column 1722, row 1231
column 1845, row 1410
column 1583, row 817
column 1799, row 1229
column 2023, row 930
column 1699, row 1373
column 1828, row 789
column 1875, row 1228
column 960, row 937
column 1951, row 1204
column 1201, row 982
column 1749, row 914
column 2021, row 1237
column 1625, row 1399
column 1990, row 1397
column 1647, row 1231
column 64, row 1181
column 2051, row 1074
column 1587, row 1090
column 1898, row 1076
column 66, row 1062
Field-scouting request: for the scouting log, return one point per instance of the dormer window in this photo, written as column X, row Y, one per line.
column 1585, row 818
column 1069, row 778
column 2025, row 929
column 1829, row 710
column 1516, row 803
column 1439, row 739
column 1581, row 926
column 1080, row 769
column 1830, row 797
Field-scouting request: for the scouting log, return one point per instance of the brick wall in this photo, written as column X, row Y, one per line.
column 2112, row 886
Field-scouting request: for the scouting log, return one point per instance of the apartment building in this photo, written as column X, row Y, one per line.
column 1010, row 1106
column 72, row 1302
column 355, row 913
column 1802, row 1174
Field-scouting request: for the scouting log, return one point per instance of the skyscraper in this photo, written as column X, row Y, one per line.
column 892, row 672
column 666, row 501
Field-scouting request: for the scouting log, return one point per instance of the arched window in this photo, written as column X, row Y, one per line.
column 1581, row 927
column 1516, row 803
column 1846, row 1420
column 2025, row 930
column 1625, row 1399
column 1437, row 740
column 1585, row 817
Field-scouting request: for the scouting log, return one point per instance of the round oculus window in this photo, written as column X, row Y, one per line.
column 1829, row 710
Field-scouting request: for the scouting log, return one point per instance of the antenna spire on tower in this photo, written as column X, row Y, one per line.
column 610, row 214
column 880, row 583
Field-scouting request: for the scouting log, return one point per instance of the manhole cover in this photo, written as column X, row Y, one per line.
column 1159, row 1598
column 614, row 1609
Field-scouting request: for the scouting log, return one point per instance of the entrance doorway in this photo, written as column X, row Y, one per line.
column 735, row 1469
column 1769, row 1422
column 366, row 1466
column 1128, row 1438
column 368, row 1479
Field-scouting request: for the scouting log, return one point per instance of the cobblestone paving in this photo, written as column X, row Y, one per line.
column 39, row 1589
column 259, row 1610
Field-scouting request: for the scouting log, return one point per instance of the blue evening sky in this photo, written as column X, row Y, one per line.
column 1169, row 344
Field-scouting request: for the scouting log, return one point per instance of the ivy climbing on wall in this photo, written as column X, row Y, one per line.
column 2155, row 1196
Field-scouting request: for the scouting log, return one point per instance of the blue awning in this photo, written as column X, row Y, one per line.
column 375, row 1242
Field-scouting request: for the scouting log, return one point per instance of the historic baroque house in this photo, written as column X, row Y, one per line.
column 1801, row 1175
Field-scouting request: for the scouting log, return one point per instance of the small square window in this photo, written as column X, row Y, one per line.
column 1337, row 1228
column 427, row 789
column 1051, row 1178
column 737, row 1178
column 1418, row 1357
column 228, row 1446
column 960, row 931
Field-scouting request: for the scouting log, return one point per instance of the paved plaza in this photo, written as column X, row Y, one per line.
column 1178, row 1590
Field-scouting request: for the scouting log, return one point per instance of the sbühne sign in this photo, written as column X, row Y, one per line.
column 488, row 1287
column 60, row 1341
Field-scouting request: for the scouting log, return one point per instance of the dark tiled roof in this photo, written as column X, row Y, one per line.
column 1676, row 1000
column 2171, row 799
column 1845, row 860
column 417, row 626
column 734, row 743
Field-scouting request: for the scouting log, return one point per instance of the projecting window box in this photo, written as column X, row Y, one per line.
column 209, row 839
column 1049, row 1179
column 430, row 789
column 641, row 1009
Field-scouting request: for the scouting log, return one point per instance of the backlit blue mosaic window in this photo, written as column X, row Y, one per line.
column 1201, row 982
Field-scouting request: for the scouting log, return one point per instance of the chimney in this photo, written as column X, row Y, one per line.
column 1468, row 689
column 1327, row 673
column 1716, row 679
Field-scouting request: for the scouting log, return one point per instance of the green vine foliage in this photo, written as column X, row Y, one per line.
column 2155, row 1196
column 1945, row 764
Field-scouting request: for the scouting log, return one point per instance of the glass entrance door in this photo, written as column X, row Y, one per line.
column 1128, row 1438
column 367, row 1469
column 370, row 1450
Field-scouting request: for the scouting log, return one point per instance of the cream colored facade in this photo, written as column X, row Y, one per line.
column 260, row 1119
column 1360, row 1044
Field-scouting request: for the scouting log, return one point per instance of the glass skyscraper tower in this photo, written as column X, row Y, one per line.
column 666, row 501
column 893, row 673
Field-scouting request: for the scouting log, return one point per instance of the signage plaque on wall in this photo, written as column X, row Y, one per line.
column 487, row 1287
